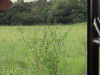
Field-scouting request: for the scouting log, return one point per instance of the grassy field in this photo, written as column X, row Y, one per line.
column 43, row 50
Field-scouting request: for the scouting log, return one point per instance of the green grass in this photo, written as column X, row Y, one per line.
column 72, row 62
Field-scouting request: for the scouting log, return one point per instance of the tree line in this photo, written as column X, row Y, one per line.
column 68, row 11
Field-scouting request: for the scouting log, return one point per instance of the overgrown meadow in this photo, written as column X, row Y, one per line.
column 43, row 50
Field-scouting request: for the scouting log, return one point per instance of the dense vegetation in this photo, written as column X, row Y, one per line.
column 68, row 11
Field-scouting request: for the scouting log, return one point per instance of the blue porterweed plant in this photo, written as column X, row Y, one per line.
column 50, row 14
column 7, row 61
column 27, row 67
column 53, row 35
column 45, row 56
column 49, row 17
column 85, row 73
column 36, row 64
column 25, row 55
column 73, row 18
column 53, row 1
column 6, row 55
column 63, row 43
column 48, row 11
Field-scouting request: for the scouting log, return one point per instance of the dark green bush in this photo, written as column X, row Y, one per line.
column 62, row 11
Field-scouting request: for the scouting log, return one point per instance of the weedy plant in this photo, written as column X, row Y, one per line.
column 47, row 55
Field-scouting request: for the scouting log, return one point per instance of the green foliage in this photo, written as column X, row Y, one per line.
column 61, row 10
column 22, row 18
column 80, row 15
column 54, row 6
column 19, row 8
column 84, row 2
column 27, row 18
